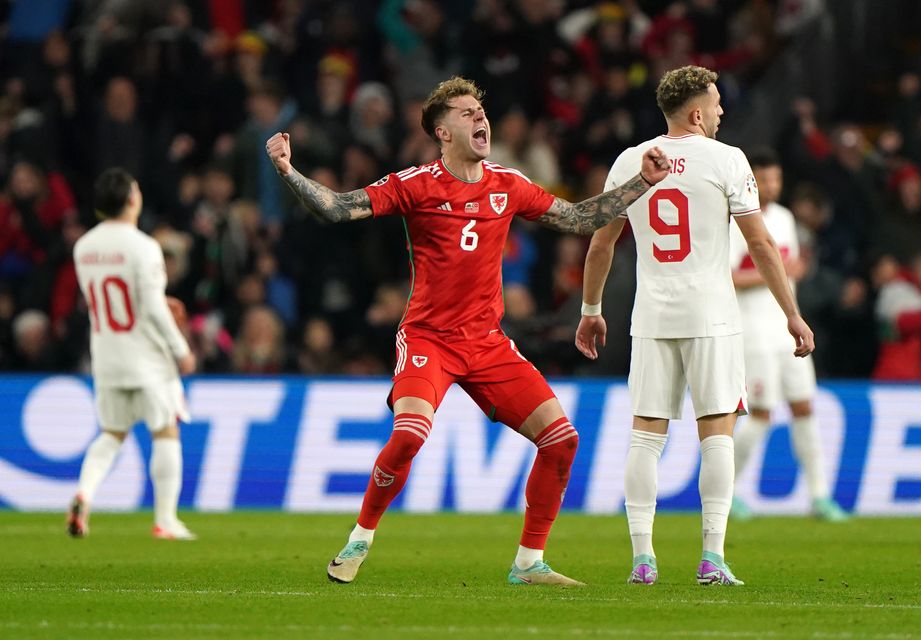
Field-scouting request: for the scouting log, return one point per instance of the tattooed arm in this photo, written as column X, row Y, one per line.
column 325, row 203
column 321, row 201
column 589, row 215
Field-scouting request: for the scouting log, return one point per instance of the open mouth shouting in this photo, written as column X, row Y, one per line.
column 480, row 138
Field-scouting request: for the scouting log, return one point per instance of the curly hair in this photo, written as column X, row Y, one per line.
column 436, row 105
column 680, row 85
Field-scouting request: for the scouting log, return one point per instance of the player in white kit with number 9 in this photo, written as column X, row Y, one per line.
column 686, row 328
column 137, row 352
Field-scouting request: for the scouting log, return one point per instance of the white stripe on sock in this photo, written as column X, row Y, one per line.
column 553, row 432
column 422, row 434
column 571, row 433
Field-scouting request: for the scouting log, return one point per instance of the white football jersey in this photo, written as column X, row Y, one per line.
column 681, row 227
column 134, row 340
column 763, row 321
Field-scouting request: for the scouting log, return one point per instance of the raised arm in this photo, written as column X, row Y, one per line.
column 589, row 215
column 764, row 253
column 321, row 201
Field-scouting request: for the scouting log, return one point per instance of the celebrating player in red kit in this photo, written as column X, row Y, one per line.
column 457, row 211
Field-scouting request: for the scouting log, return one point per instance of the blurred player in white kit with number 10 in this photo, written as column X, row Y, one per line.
column 137, row 352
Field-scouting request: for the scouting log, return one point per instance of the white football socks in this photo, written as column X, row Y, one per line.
column 166, row 475
column 359, row 533
column 717, row 470
column 804, row 432
column 96, row 464
column 746, row 439
column 640, row 485
column 527, row 557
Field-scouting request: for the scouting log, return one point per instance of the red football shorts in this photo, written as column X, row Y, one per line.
column 492, row 371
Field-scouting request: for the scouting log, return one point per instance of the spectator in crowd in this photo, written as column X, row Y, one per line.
column 224, row 233
column 606, row 41
column 522, row 147
column 32, row 342
column 175, row 63
column 898, row 314
column 423, row 45
column 31, row 213
column 610, row 124
column 327, row 108
column 56, row 280
column 269, row 110
column 251, row 52
column 905, row 114
column 211, row 343
column 518, row 257
column 316, row 353
column 899, row 230
column 250, row 293
column 383, row 318
column 259, row 347
column 371, row 121
column 568, row 269
column 509, row 57
column 831, row 294
column 280, row 292
column 213, row 206
column 120, row 138
column 416, row 148
column 7, row 313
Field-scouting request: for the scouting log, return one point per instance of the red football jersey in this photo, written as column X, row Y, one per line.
column 456, row 231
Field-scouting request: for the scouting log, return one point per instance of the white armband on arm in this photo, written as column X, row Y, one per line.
column 591, row 309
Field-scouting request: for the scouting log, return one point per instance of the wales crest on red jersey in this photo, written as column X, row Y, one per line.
column 420, row 361
column 498, row 202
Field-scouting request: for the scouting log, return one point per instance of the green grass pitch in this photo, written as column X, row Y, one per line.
column 262, row 575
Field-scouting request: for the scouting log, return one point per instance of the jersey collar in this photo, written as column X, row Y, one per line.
column 457, row 177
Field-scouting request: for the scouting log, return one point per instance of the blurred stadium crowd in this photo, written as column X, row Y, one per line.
column 184, row 93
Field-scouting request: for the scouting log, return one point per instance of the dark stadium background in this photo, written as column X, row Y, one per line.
column 183, row 94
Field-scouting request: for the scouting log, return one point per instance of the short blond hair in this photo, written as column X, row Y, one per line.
column 680, row 85
column 436, row 105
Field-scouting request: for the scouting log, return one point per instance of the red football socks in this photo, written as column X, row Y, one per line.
column 556, row 449
column 391, row 469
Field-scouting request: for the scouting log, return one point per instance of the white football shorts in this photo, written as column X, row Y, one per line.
column 158, row 405
column 779, row 375
column 661, row 370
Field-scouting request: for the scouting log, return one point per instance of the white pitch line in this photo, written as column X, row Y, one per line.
column 453, row 629
column 54, row 588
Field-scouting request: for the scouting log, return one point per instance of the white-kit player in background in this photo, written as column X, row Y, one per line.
column 137, row 352
column 685, row 326
column 772, row 373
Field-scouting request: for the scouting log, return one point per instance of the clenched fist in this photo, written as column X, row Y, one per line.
column 278, row 148
column 655, row 165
